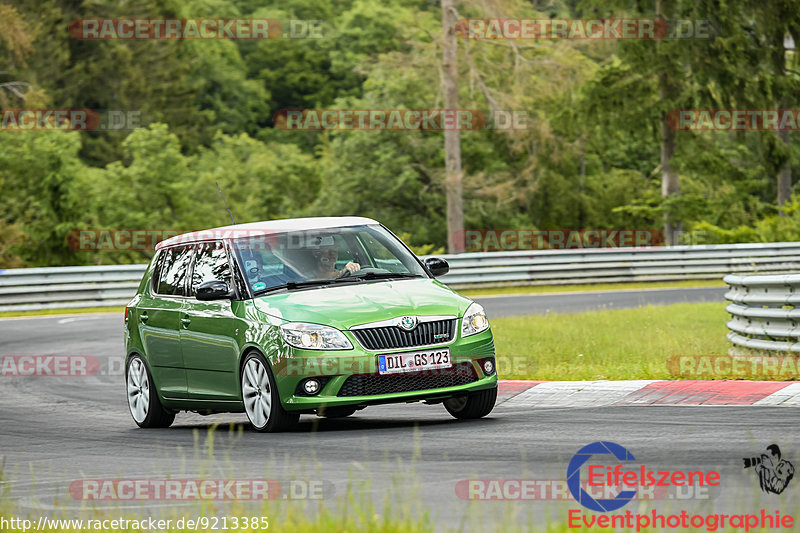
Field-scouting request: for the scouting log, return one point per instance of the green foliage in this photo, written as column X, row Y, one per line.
column 260, row 182
column 773, row 228
column 588, row 159
column 38, row 174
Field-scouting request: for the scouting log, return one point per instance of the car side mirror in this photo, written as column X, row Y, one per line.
column 213, row 290
column 437, row 266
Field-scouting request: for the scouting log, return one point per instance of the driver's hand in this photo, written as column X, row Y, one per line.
column 352, row 267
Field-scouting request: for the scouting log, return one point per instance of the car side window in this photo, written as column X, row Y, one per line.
column 157, row 267
column 211, row 264
column 173, row 271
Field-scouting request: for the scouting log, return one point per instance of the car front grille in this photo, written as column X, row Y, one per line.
column 391, row 337
column 373, row 384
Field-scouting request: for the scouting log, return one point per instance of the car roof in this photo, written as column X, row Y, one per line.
column 265, row 227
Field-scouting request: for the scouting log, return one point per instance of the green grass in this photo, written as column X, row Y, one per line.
column 466, row 292
column 537, row 289
column 617, row 344
column 69, row 311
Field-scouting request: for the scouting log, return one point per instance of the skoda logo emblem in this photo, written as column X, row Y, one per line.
column 408, row 322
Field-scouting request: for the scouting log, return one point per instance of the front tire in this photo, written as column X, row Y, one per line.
column 143, row 402
column 262, row 403
column 475, row 405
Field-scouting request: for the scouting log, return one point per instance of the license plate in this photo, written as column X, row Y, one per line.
column 397, row 363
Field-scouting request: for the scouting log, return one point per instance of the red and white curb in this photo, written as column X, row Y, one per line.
column 647, row 392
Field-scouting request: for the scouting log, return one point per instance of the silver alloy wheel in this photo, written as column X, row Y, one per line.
column 457, row 404
column 138, row 390
column 256, row 393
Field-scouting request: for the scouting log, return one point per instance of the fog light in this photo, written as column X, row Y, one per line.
column 488, row 367
column 311, row 386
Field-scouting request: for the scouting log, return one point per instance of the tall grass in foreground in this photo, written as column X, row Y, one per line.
column 353, row 516
column 614, row 344
column 358, row 508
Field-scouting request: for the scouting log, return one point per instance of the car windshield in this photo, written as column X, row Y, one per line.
column 293, row 259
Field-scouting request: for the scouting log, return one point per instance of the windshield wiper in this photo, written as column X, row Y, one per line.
column 386, row 275
column 322, row 282
column 291, row 285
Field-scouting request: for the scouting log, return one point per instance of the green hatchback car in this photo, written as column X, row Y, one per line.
column 320, row 316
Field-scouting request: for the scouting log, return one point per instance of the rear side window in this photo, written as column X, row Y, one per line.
column 172, row 271
column 159, row 261
column 211, row 264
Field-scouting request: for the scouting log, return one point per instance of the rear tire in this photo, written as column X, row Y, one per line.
column 262, row 403
column 475, row 405
column 143, row 402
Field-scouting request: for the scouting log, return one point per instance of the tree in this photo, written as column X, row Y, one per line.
column 452, row 139
column 776, row 24
column 16, row 40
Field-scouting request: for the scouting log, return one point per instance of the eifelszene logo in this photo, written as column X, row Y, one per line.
column 632, row 477
column 774, row 473
column 617, row 484
column 574, row 477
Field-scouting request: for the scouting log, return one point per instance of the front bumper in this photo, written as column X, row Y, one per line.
column 334, row 369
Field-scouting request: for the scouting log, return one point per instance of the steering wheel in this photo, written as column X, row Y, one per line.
column 365, row 270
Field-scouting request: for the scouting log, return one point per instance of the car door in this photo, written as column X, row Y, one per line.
column 210, row 329
column 159, row 314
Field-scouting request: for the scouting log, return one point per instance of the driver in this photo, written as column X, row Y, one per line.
column 325, row 254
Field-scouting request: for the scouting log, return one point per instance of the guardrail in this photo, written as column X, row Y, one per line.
column 24, row 289
column 95, row 286
column 611, row 265
column 763, row 312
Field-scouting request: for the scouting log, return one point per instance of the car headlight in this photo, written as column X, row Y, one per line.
column 314, row 337
column 474, row 320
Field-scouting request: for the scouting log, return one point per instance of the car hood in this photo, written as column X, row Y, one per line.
column 349, row 305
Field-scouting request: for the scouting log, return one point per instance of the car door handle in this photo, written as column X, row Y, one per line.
column 143, row 318
column 186, row 321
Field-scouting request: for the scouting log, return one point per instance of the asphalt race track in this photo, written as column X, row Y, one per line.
column 56, row 430
column 573, row 302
